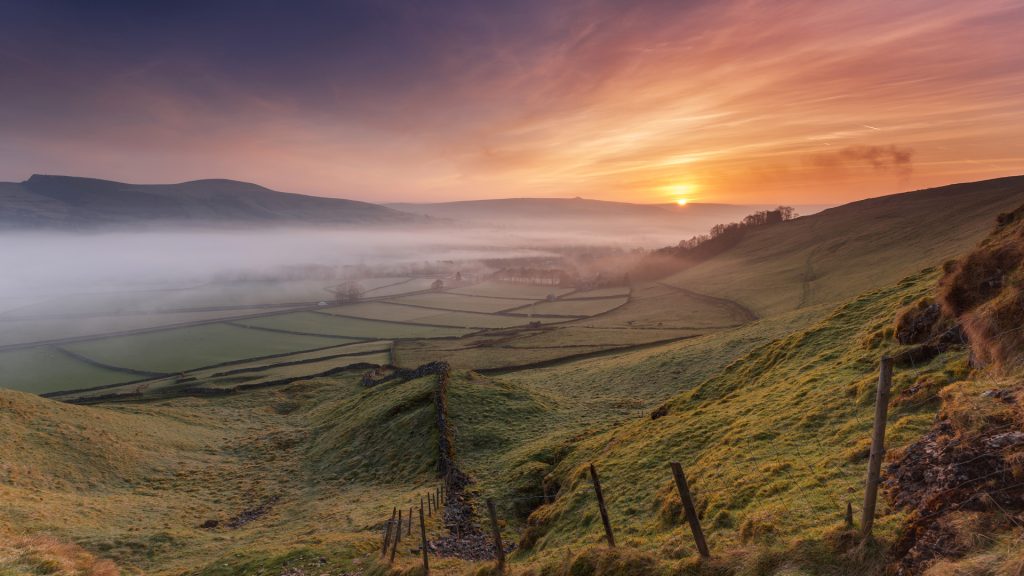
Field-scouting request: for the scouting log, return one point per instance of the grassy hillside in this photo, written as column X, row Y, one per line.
column 66, row 201
column 769, row 417
column 771, row 423
column 838, row 253
column 289, row 476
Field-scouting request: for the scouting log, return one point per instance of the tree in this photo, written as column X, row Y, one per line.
column 349, row 291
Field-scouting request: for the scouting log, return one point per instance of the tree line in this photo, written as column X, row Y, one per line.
column 724, row 236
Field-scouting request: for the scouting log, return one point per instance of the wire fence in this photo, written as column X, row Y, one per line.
column 837, row 492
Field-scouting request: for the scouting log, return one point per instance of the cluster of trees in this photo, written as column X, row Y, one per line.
column 723, row 236
column 669, row 260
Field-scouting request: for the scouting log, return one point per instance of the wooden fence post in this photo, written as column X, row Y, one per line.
column 600, row 504
column 408, row 531
column 499, row 547
column 387, row 538
column 397, row 538
column 691, row 510
column 423, row 537
column 877, row 445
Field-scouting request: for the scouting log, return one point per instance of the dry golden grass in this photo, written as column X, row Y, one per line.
column 134, row 483
column 35, row 555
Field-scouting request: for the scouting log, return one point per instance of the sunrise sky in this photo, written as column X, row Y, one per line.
column 645, row 101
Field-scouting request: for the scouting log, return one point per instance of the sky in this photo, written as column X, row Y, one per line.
column 748, row 102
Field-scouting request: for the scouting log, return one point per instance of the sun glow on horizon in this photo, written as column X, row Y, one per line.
column 680, row 193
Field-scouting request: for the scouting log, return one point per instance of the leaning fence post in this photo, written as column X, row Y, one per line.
column 387, row 538
column 499, row 547
column 877, row 445
column 691, row 511
column 397, row 538
column 423, row 537
column 600, row 504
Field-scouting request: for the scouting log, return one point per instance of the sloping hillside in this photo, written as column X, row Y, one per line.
column 71, row 202
column 294, row 477
column 774, row 443
column 834, row 255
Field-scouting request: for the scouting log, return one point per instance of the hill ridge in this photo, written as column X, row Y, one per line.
column 60, row 201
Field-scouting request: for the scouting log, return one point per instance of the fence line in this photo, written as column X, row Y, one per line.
column 710, row 485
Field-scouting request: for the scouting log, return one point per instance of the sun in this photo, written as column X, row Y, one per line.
column 680, row 192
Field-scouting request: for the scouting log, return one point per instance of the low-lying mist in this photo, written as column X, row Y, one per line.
column 48, row 266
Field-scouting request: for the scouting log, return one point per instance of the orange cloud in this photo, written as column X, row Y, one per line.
column 747, row 101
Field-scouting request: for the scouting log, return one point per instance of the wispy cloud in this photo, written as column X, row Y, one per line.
column 744, row 100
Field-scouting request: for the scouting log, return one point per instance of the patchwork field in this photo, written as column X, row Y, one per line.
column 183, row 349
column 656, row 306
column 589, row 307
column 42, row 370
column 338, row 326
column 396, row 288
column 495, row 289
column 597, row 293
column 451, row 301
column 195, row 340
column 26, row 331
column 205, row 297
column 277, row 368
column 415, row 315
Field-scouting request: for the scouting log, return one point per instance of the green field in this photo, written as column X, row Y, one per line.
column 573, row 307
column 270, row 374
column 183, row 349
column 392, row 289
column 286, row 366
column 212, row 295
column 42, row 329
column 598, row 293
column 43, row 370
column 654, row 306
column 380, row 311
column 474, row 320
column 578, row 335
column 450, row 301
column 331, row 325
column 233, row 294
column 495, row 289
column 484, row 357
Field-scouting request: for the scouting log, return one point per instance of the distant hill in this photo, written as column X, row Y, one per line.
column 649, row 225
column 843, row 251
column 72, row 202
column 556, row 208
